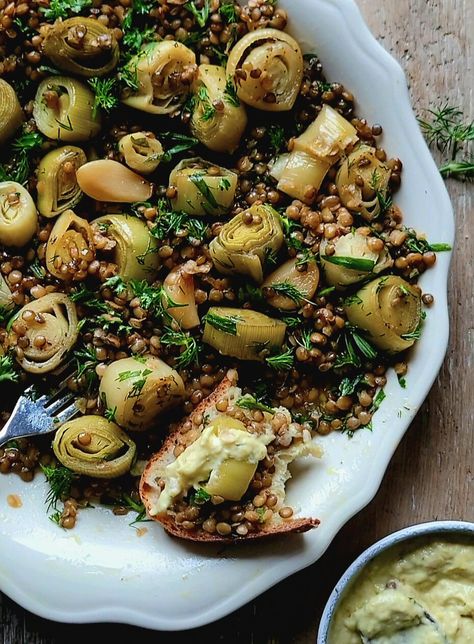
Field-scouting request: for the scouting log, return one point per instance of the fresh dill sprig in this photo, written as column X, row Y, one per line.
column 446, row 129
column 62, row 8
column 228, row 11
column 463, row 170
column 89, row 299
column 18, row 168
column 201, row 15
column 289, row 290
column 356, row 349
column 277, row 137
column 250, row 402
column 60, row 481
column 189, row 347
column 281, row 362
column 116, row 284
column 8, row 373
column 135, row 37
column 182, row 143
column 86, row 362
column 202, row 97
column 105, row 94
column 419, row 245
column 171, row 223
column 230, row 92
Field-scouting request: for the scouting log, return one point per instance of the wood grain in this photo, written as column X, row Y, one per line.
column 431, row 475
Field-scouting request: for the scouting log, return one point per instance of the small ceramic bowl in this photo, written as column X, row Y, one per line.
column 437, row 528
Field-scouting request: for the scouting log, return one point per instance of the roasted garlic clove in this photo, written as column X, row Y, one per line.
column 107, row 180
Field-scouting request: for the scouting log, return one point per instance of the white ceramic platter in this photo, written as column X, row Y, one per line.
column 103, row 570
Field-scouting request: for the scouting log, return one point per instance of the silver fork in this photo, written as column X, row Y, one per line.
column 34, row 416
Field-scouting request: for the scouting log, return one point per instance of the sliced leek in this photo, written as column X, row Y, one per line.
column 165, row 72
column 202, row 188
column 344, row 267
column 389, row 309
column 242, row 333
column 219, row 118
column 139, row 389
column 18, row 216
column 267, row 66
column 70, row 248
column 6, row 301
column 57, row 185
column 362, row 182
column 142, row 151
column 244, row 243
column 64, row 110
column 301, row 176
column 290, row 286
column 93, row 446
column 107, row 180
column 136, row 251
column 51, row 334
column 11, row 114
column 81, row 46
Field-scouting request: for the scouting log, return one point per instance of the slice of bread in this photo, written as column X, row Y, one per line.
column 261, row 512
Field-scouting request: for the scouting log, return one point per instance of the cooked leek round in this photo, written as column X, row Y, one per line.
column 64, row 110
column 267, row 66
column 243, row 247
column 51, row 334
column 300, row 175
column 389, row 309
column 328, row 137
column 6, row 301
column 202, row 188
column 362, row 182
column 219, row 118
column 57, row 185
column 18, row 216
column 82, row 46
column 11, row 114
column 242, row 333
column 289, row 287
column 138, row 389
column 70, row 248
column 165, row 72
column 353, row 260
column 179, row 287
column 142, row 151
column 93, row 446
column 136, row 251
column 107, row 180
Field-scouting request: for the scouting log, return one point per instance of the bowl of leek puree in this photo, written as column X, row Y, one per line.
column 415, row 586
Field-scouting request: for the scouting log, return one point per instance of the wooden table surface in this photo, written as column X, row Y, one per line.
column 431, row 474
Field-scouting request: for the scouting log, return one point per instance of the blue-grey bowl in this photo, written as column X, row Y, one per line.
column 440, row 528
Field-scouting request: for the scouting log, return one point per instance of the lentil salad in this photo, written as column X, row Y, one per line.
column 329, row 241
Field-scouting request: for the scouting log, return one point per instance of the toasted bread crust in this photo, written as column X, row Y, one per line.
column 149, row 490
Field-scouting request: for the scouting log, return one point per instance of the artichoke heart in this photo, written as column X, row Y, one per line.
column 270, row 66
column 219, row 118
column 243, row 333
column 51, row 334
column 202, row 188
column 57, row 185
column 389, row 309
column 136, row 251
column 18, row 216
column 11, row 114
column 142, row 151
column 352, row 259
column 244, row 243
column 70, row 248
column 82, row 46
column 94, row 446
column 165, row 72
column 64, row 110
column 363, row 182
column 139, row 390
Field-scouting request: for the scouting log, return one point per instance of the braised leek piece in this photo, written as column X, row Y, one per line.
column 18, row 216
column 290, row 286
column 142, row 151
column 107, row 180
column 179, row 289
column 50, row 334
column 57, row 185
column 219, row 118
column 267, row 66
column 362, row 182
column 136, row 251
column 389, row 309
column 64, row 110
column 11, row 114
column 202, row 188
column 312, row 154
column 70, row 248
column 6, row 301
column 165, row 71
column 81, row 46
column 93, row 446
column 353, row 259
column 244, row 243
column 242, row 333
column 139, row 389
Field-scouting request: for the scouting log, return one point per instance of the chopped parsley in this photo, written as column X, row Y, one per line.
column 8, row 373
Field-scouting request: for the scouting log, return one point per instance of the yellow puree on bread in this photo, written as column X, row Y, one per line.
column 392, row 596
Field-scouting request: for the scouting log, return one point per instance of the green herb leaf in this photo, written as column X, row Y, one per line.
column 402, row 382
column 8, row 372
column 348, row 386
column 89, row 299
column 230, row 92
column 188, row 344
column 463, row 170
column 61, row 8
column 60, row 481
column 353, row 263
column 277, row 136
column 226, row 324
column 105, row 94
column 228, row 11
column 199, row 497
column 289, row 290
column 201, row 15
column 250, row 402
column 282, row 362
column 183, row 143
column 204, row 189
